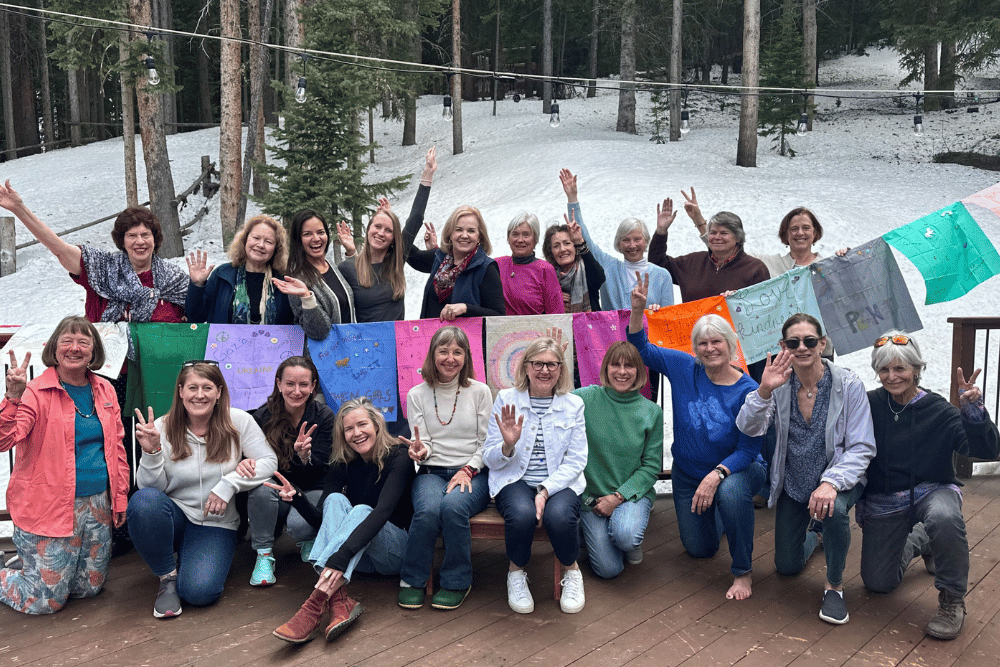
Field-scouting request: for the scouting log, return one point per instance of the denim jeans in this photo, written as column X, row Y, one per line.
column 382, row 555
column 890, row 542
column 608, row 538
column 435, row 512
column 268, row 515
column 732, row 515
column 794, row 542
column 516, row 504
column 159, row 529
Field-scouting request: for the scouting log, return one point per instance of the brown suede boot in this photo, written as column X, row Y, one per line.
column 343, row 612
column 950, row 617
column 302, row 627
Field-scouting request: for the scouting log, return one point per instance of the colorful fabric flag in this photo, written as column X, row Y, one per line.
column 508, row 337
column 160, row 350
column 358, row 360
column 949, row 249
column 413, row 339
column 988, row 198
column 32, row 338
column 671, row 326
column 593, row 334
column 862, row 295
column 759, row 311
column 249, row 355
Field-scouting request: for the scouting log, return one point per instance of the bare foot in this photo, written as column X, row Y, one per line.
column 740, row 590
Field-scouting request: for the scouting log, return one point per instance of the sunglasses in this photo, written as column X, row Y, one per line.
column 898, row 339
column 809, row 341
column 195, row 362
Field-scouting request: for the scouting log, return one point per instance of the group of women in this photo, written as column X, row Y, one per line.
column 358, row 497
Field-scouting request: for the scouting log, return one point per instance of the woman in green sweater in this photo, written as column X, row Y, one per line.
column 625, row 436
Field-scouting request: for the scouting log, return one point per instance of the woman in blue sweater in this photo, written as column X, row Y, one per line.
column 716, row 469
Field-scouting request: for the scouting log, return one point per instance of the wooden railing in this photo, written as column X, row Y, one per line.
column 975, row 343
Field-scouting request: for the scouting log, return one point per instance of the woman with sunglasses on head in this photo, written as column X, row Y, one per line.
column 536, row 450
column 182, row 519
column 300, row 430
column 823, row 425
column 913, row 504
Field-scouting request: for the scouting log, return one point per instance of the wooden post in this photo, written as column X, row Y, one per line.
column 8, row 254
column 456, row 80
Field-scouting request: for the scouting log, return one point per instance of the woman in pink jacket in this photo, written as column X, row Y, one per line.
column 70, row 476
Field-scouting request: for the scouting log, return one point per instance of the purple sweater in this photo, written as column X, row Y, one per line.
column 530, row 289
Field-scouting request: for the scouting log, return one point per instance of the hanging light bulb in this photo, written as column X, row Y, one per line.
column 685, row 122
column 803, row 124
column 300, row 90
column 154, row 76
column 447, row 113
column 918, row 125
column 554, row 117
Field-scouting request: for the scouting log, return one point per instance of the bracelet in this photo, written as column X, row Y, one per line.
column 153, row 453
column 470, row 471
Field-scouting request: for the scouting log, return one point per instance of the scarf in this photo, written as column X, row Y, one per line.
column 111, row 275
column 447, row 273
column 241, row 299
column 574, row 284
column 521, row 261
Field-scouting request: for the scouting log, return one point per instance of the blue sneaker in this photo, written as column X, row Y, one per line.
column 305, row 548
column 263, row 571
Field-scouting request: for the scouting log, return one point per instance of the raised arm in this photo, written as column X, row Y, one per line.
column 416, row 219
column 68, row 255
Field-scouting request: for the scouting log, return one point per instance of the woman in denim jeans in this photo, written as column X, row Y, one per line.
column 824, row 443
column 715, row 470
column 448, row 413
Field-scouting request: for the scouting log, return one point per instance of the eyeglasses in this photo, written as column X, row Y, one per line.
column 898, row 339
column 195, row 362
column 809, row 341
column 549, row 365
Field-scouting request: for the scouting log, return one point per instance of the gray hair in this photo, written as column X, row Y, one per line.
column 523, row 218
column 626, row 227
column 730, row 221
column 713, row 324
column 908, row 354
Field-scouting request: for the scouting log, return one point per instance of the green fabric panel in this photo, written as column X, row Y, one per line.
column 161, row 348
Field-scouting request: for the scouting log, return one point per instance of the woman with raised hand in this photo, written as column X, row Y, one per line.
column 625, row 455
column 317, row 291
column 451, row 485
column 715, row 467
column 70, row 478
column 362, row 518
column 536, row 450
column 824, row 444
column 530, row 286
column 631, row 241
column 579, row 273
column 182, row 519
column 913, row 504
column 242, row 291
column 300, row 430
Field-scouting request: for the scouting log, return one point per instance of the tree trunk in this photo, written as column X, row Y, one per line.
column 159, row 180
column 204, row 84
column 456, row 80
column 128, row 124
column 7, row 88
column 410, row 101
column 48, row 128
column 746, row 149
column 496, row 60
column 231, row 126
column 294, row 36
column 259, row 28
column 931, row 102
column 675, row 71
column 809, row 53
column 547, row 56
column 626, row 91
column 73, row 93
column 947, row 77
column 163, row 18
column 594, row 25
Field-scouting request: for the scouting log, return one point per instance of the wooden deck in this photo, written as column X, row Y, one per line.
column 669, row 610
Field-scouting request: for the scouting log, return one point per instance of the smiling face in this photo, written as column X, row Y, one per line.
column 449, row 359
column 801, row 233
column 563, row 250
column 721, row 241
column 622, row 375
column 522, row 240
column 314, row 239
column 634, row 246
column 802, row 356
column 74, row 352
column 360, row 432
column 261, row 242
column 139, row 246
column 542, row 381
column 296, row 385
column 899, row 379
column 199, row 396
column 713, row 351
column 379, row 235
column 465, row 236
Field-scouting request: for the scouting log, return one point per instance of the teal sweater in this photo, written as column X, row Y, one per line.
column 625, row 440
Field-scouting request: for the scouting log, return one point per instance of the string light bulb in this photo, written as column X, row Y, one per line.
column 300, row 90
column 804, row 116
column 153, row 77
column 554, row 115
column 685, row 122
column 918, row 120
column 447, row 112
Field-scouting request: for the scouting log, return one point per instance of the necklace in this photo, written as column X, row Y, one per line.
column 76, row 407
column 809, row 392
column 895, row 415
column 458, row 391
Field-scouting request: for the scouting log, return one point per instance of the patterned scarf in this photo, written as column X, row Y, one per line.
column 111, row 275
column 241, row 300
column 447, row 273
column 574, row 283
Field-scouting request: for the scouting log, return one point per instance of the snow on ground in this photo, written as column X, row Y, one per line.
column 862, row 171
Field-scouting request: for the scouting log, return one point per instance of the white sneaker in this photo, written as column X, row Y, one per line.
column 518, row 595
column 633, row 556
column 572, row 598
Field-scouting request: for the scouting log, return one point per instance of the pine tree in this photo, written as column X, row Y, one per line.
column 781, row 67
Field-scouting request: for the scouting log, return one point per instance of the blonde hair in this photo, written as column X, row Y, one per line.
column 538, row 346
column 342, row 453
column 449, row 229
column 222, row 439
column 238, row 248
column 393, row 256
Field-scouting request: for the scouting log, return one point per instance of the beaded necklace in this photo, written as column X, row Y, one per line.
column 458, row 390
column 76, row 407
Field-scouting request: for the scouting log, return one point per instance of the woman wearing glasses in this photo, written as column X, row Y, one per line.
column 536, row 450
column 824, row 444
column 913, row 505
column 182, row 519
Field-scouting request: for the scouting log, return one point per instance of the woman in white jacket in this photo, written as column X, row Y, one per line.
column 187, row 480
column 536, row 450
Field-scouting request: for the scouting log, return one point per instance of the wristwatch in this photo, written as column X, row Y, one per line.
column 722, row 473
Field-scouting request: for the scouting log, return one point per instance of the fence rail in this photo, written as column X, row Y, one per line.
column 975, row 343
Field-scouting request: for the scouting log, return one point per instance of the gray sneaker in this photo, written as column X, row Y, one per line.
column 834, row 609
column 168, row 603
column 950, row 617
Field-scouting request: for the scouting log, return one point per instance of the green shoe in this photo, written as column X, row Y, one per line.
column 446, row 599
column 263, row 571
column 411, row 598
column 305, row 548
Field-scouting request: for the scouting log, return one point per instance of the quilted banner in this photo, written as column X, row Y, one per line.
column 413, row 338
column 508, row 337
column 160, row 350
column 358, row 360
column 249, row 355
column 671, row 326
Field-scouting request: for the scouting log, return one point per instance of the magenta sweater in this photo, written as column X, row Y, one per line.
column 530, row 289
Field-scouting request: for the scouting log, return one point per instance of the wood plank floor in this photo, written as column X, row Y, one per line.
column 669, row 610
